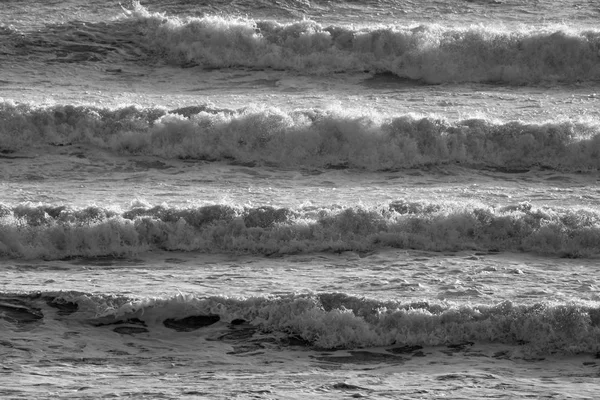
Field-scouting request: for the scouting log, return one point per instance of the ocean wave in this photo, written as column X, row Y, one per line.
column 311, row 138
column 332, row 320
column 60, row 232
column 429, row 53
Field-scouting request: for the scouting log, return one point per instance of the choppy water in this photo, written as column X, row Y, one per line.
column 298, row 199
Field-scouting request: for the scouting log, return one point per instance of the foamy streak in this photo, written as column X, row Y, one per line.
column 434, row 54
column 59, row 232
column 305, row 138
column 338, row 320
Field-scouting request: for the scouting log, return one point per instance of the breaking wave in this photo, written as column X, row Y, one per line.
column 309, row 138
column 59, row 232
column 429, row 53
column 331, row 320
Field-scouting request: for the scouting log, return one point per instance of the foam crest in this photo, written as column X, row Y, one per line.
column 28, row 231
column 305, row 138
column 430, row 53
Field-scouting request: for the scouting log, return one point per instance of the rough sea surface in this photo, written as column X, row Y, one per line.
column 299, row 199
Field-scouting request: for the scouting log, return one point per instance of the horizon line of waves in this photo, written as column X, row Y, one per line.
column 334, row 320
column 428, row 53
column 305, row 138
column 59, row 232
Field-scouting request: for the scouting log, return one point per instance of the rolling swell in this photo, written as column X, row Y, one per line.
column 310, row 138
column 114, row 42
column 59, row 232
column 429, row 53
column 330, row 320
